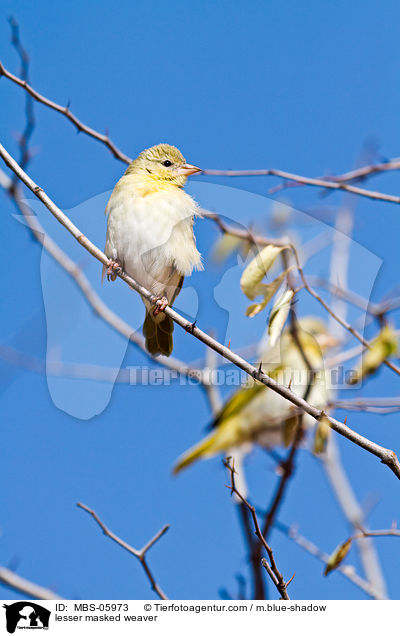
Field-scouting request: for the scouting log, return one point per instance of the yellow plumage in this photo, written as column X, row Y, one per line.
column 257, row 414
column 150, row 233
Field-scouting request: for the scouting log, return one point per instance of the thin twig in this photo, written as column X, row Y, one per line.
column 119, row 155
column 139, row 554
column 29, row 114
column 288, row 465
column 380, row 406
column 64, row 110
column 271, row 567
column 345, row 570
column 299, row 179
column 335, row 316
column 332, row 184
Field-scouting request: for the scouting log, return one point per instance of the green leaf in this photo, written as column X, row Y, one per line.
column 279, row 314
column 255, row 271
column 383, row 346
column 337, row 557
column 322, row 433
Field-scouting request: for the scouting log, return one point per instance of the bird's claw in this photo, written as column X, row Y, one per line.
column 160, row 305
column 114, row 268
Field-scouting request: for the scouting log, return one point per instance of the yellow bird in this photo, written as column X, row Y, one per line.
column 257, row 414
column 150, row 234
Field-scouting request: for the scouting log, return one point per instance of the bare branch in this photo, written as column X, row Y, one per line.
column 288, row 465
column 64, row 110
column 343, row 490
column 30, row 118
column 299, row 179
column 365, row 171
column 270, row 567
column 336, row 317
column 363, row 534
column 381, row 406
column 139, row 554
column 334, row 183
column 31, row 590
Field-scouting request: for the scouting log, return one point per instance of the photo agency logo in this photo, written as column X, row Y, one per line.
column 26, row 615
column 90, row 326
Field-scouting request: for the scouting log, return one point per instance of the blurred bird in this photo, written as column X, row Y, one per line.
column 150, row 234
column 257, row 414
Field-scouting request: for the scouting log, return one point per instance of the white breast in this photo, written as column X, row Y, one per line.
column 152, row 235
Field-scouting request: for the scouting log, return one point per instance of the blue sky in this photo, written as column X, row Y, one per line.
column 290, row 85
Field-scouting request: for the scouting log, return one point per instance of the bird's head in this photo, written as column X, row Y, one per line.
column 163, row 163
column 314, row 329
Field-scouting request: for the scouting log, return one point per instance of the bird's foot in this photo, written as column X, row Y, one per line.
column 114, row 268
column 160, row 305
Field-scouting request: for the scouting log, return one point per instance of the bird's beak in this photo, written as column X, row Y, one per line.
column 188, row 169
column 326, row 341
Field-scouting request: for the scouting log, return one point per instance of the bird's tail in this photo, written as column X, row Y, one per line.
column 158, row 335
column 222, row 440
column 205, row 448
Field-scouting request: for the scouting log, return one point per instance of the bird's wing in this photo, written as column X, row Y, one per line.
column 178, row 289
column 237, row 402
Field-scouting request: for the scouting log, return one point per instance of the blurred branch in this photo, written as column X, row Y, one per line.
column 84, row 371
column 334, row 183
column 210, row 387
column 331, row 460
column 29, row 589
column 271, row 567
column 382, row 405
column 258, row 240
column 29, row 114
column 288, row 465
column 352, row 511
column 391, row 532
column 376, row 309
column 76, row 370
column 139, row 554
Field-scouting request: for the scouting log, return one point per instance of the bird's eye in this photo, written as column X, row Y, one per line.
column 167, row 163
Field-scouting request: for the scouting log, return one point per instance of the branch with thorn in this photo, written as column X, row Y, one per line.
column 340, row 182
column 270, row 567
